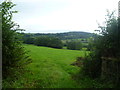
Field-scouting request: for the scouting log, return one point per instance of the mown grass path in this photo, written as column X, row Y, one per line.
column 50, row 68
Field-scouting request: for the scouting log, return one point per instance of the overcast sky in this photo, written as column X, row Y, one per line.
column 51, row 16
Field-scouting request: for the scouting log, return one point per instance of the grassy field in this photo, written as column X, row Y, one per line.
column 50, row 68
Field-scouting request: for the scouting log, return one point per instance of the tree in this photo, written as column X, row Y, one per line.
column 74, row 45
column 28, row 40
column 90, row 44
column 14, row 56
column 105, row 45
column 48, row 41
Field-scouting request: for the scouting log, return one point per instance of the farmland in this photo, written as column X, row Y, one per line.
column 70, row 59
column 50, row 68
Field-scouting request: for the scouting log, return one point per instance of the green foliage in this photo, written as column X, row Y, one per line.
column 90, row 44
column 106, row 44
column 74, row 45
column 29, row 40
column 92, row 65
column 13, row 55
column 62, row 36
column 110, row 39
column 48, row 42
column 87, row 82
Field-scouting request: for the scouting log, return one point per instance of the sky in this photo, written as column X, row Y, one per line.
column 55, row 16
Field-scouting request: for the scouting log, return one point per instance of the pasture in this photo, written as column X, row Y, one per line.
column 50, row 68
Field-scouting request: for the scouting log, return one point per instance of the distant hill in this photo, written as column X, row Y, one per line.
column 62, row 36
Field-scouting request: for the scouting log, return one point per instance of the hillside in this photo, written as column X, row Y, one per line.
column 62, row 36
column 50, row 68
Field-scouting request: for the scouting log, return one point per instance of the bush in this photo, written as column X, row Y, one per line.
column 106, row 44
column 74, row 45
column 48, row 42
column 14, row 57
column 92, row 65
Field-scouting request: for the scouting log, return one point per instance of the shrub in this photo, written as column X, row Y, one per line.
column 106, row 44
column 92, row 65
column 14, row 57
column 48, row 42
column 74, row 45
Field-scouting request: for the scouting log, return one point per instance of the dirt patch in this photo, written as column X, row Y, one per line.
column 78, row 62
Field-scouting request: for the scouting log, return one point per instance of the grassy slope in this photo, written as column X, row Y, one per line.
column 51, row 67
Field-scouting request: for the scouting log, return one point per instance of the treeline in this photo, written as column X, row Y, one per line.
column 44, row 41
column 48, row 42
column 70, row 40
column 53, row 42
column 74, row 45
column 62, row 36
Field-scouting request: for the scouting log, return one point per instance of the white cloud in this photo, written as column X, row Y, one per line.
column 51, row 15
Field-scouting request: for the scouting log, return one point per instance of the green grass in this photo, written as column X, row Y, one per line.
column 50, row 68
